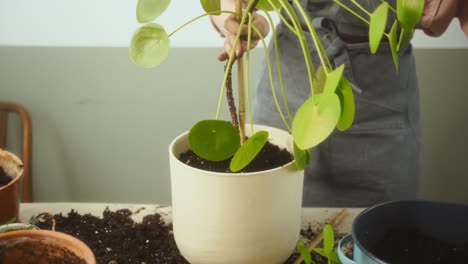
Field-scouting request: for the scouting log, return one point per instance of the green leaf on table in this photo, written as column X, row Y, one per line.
column 315, row 120
column 149, row 46
column 214, row 140
column 409, row 12
column 301, row 157
column 149, row 10
column 248, row 151
column 378, row 21
column 211, row 6
column 333, row 79
column 269, row 5
column 321, row 252
column 392, row 39
column 348, row 108
column 333, row 258
column 405, row 38
column 305, row 253
column 328, row 239
column 318, row 83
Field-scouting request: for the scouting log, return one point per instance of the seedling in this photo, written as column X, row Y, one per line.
column 331, row 104
column 328, row 250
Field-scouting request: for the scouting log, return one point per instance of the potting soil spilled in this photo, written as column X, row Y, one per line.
column 412, row 246
column 271, row 156
column 117, row 239
column 4, row 179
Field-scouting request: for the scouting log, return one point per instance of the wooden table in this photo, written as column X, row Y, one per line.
column 315, row 217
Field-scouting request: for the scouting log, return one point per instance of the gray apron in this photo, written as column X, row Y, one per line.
column 378, row 158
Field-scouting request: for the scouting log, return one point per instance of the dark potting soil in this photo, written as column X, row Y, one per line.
column 4, row 179
column 271, row 156
column 38, row 253
column 117, row 239
column 411, row 246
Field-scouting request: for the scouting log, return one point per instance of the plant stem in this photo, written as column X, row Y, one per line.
column 230, row 99
column 241, row 82
column 361, row 7
column 270, row 74
column 247, row 73
column 351, row 11
column 335, row 221
column 389, row 6
column 198, row 17
column 278, row 66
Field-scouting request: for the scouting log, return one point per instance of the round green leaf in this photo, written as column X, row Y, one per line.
column 333, row 79
column 392, row 39
column 345, row 93
column 211, row 6
column 214, row 140
column 313, row 122
column 301, row 157
column 248, row 151
column 405, row 38
column 149, row 46
column 378, row 21
column 409, row 12
column 149, row 10
column 265, row 5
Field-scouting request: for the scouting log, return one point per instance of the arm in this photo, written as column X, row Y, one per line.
column 228, row 25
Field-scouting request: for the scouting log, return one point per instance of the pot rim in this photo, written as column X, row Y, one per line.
column 226, row 174
column 10, row 157
column 79, row 245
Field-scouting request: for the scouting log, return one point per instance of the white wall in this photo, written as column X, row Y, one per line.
column 104, row 23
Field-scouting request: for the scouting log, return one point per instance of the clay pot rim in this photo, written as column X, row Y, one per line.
column 14, row 159
column 80, row 246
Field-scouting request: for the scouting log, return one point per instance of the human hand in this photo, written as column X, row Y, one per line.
column 231, row 26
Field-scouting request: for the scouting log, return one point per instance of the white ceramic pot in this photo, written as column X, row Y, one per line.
column 236, row 218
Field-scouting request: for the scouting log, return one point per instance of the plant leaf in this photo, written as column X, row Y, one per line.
column 345, row 93
column 328, row 239
column 333, row 79
column 149, row 46
column 378, row 21
column 318, row 83
column 211, row 6
column 392, row 39
column 301, row 157
column 11, row 221
column 214, row 140
column 149, row 10
column 405, row 38
column 313, row 122
column 409, row 12
column 248, row 151
column 265, row 5
column 304, row 252
column 333, row 258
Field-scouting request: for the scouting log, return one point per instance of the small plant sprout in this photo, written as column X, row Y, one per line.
column 331, row 103
column 328, row 250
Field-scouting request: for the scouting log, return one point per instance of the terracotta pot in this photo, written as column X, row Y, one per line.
column 236, row 218
column 10, row 194
column 43, row 247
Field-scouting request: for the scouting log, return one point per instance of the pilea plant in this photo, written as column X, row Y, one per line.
column 327, row 251
column 331, row 104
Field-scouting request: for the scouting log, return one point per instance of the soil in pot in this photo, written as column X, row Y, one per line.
column 271, row 156
column 402, row 246
column 4, row 179
column 117, row 239
column 38, row 252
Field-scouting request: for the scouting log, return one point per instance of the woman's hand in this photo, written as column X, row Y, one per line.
column 231, row 26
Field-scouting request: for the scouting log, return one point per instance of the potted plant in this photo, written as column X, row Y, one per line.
column 11, row 177
column 254, row 217
column 42, row 247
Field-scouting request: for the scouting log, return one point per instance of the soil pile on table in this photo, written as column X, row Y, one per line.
column 117, row 239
